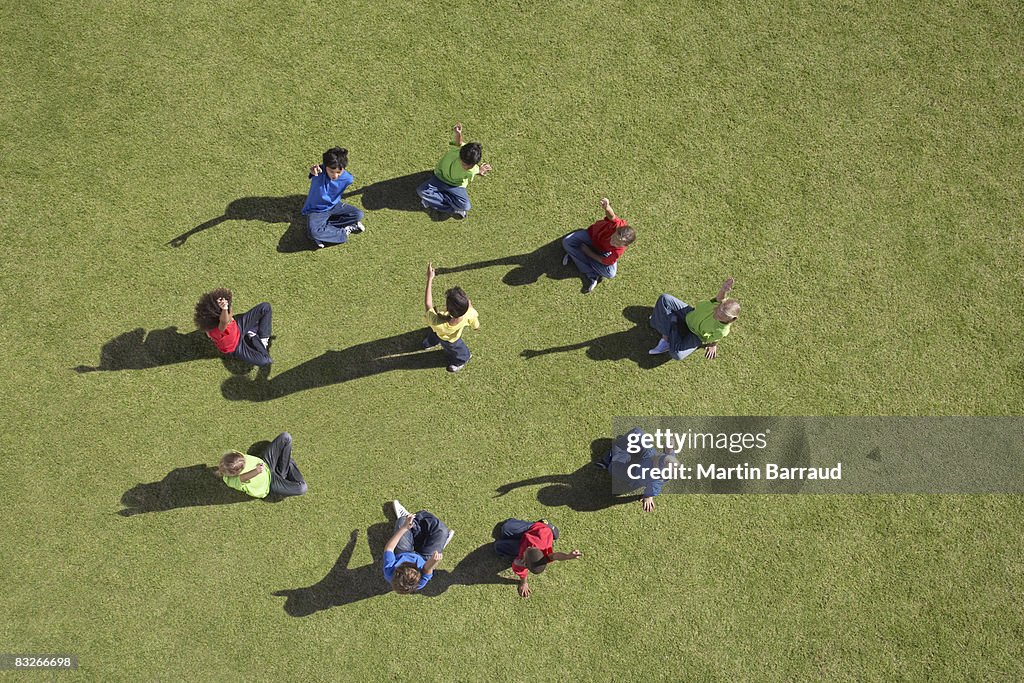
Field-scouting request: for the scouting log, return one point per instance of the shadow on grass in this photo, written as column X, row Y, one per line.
column 480, row 567
column 395, row 194
column 631, row 344
column 529, row 267
column 194, row 486
column 137, row 350
column 287, row 209
column 335, row 367
column 588, row 489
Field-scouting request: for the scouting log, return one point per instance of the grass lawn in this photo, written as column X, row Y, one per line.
column 856, row 168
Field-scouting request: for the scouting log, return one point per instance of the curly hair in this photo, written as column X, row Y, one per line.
column 207, row 314
column 406, row 578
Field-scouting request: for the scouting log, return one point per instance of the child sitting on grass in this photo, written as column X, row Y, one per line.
column 445, row 191
column 446, row 325
column 274, row 472
column 331, row 220
column 529, row 546
column 245, row 336
column 414, row 549
column 596, row 250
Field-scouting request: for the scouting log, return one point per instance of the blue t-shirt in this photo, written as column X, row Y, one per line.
column 390, row 562
column 324, row 193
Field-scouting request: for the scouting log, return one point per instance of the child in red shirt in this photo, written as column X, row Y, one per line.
column 596, row 250
column 245, row 336
column 529, row 546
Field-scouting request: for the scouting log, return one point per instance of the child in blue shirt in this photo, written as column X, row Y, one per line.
column 331, row 220
column 414, row 549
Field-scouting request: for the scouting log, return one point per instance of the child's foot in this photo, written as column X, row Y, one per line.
column 565, row 260
column 399, row 511
column 662, row 347
column 263, row 374
column 357, row 228
column 458, row 215
column 451, row 535
column 456, row 368
column 588, row 285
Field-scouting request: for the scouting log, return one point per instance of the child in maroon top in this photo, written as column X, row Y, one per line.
column 596, row 250
column 529, row 546
column 245, row 336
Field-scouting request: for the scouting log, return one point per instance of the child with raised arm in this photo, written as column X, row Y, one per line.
column 245, row 336
column 596, row 250
column 685, row 328
column 447, row 324
column 414, row 549
column 273, row 472
column 331, row 220
column 445, row 191
column 529, row 546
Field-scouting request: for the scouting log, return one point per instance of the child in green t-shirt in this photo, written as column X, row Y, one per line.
column 445, row 191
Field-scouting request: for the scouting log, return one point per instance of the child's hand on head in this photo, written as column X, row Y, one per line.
column 223, row 303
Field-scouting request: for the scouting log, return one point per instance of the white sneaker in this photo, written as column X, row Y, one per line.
column 662, row 347
column 399, row 510
column 451, row 535
column 357, row 228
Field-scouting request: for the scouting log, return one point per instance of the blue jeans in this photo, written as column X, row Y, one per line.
column 428, row 534
column 251, row 349
column 509, row 534
column 441, row 196
column 328, row 227
column 457, row 351
column 591, row 269
column 285, row 478
column 669, row 318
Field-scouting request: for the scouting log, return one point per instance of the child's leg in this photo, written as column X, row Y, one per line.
column 322, row 231
column 573, row 243
column 344, row 215
column 509, row 535
column 285, row 478
column 457, row 200
column 251, row 350
column 607, row 272
column 405, row 543
column 667, row 311
column 682, row 345
column 433, row 534
column 431, row 194
column 257, row 319
column 457, row 351
column 431, row 340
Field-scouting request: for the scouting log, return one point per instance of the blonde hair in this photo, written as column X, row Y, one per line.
column 731, row 308
column 231, row 465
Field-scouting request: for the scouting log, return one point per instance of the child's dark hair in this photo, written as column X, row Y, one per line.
column 471, row 153
column 406, row 578
column 535, row 560
column 207, row 314
column 336, row 157
column 456, row 302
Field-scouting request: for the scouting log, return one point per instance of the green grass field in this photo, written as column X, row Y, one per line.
column 856, row 168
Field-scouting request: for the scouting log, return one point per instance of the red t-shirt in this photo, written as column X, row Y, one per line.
column 600, row 234
column 537, row 536
column 226, row 341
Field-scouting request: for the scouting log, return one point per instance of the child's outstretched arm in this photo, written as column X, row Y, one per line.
column 574, row 555
column 609, row 213
column 458, row 134
column 429, row 297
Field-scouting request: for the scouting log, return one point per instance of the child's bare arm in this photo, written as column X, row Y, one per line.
column 458, row 134
column 246, row 476
column 429, row 295
column 428, row 566
column 397, row 536
column 574, row 555
column 609, row 213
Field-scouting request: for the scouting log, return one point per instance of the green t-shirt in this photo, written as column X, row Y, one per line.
column 701, row 321
column 450, row 169
column 258, row 486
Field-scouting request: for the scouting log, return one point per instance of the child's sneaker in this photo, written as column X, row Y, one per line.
column 662, row 347
column 357, row 228
column 399, row 511
column 451, row 535
column 458, row 215
column 588, row 285
column 456, row 368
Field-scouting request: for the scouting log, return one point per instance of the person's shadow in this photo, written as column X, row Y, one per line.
column 395, row 194
column 631, row 344
column 287, row 209
column 137, row 350
column 193, row 486
column 334, row 367
column 481, row 566
column 343, row 585
column 529, row 267
column 588, row 489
